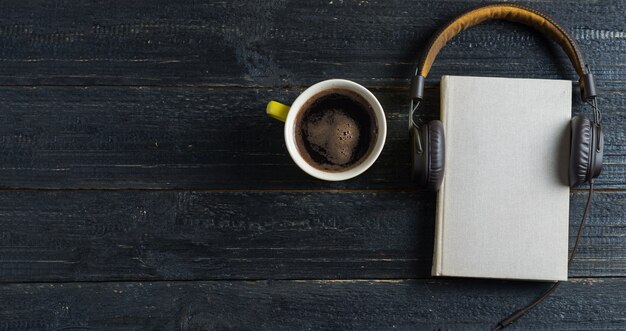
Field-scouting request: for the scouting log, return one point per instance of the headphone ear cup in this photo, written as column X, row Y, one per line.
column 437, row 154
column 598, row 151
column 581, row 150
column 427, row 166
column 419, row 161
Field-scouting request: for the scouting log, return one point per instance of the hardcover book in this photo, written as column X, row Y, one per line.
column 503, row 207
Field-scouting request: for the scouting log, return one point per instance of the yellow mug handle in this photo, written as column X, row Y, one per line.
column 277, row 110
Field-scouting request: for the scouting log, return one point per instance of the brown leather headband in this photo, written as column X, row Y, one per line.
column 515, row 13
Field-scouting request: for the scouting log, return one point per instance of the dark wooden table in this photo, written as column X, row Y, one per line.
column 144, row 187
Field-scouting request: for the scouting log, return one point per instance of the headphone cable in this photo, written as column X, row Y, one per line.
column 521, row 312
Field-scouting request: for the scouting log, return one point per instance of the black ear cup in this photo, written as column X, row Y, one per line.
column 586, row 150
column 428, row 165
column 598, row 153
column 437, row 153
column 419, row 163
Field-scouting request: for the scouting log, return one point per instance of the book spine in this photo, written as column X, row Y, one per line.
column 439, row 216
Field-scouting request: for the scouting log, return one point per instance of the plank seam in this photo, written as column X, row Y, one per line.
column 286, row 190
column 336, row 280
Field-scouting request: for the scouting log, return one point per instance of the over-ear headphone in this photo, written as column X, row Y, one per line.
column 428, row 141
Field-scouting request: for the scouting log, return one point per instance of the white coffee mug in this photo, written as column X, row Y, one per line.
column 289, row 114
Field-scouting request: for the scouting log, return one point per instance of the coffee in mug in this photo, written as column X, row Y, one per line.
column 334, row 130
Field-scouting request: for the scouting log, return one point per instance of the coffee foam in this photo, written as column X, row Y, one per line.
column 333, row 134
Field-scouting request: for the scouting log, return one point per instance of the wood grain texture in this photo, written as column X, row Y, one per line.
column 201, row 138
column 287, row 43
column 103, row 236
column 166, row 97
column 582, row 304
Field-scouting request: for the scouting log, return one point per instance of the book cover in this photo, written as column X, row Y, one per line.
column 503, row 207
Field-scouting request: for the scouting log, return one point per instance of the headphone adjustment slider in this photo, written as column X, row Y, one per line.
column 417, row 87
column 587, row 86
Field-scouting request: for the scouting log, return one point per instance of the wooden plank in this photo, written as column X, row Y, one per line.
column 278, row 43
column 216, row 138
column 581, row 304
column 98, row 236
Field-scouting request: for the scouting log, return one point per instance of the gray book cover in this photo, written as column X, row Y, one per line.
column 503, row 207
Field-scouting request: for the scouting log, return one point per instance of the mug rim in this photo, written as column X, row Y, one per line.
column 296, row 107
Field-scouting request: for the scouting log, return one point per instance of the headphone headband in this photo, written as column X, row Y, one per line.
column 509, row 12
